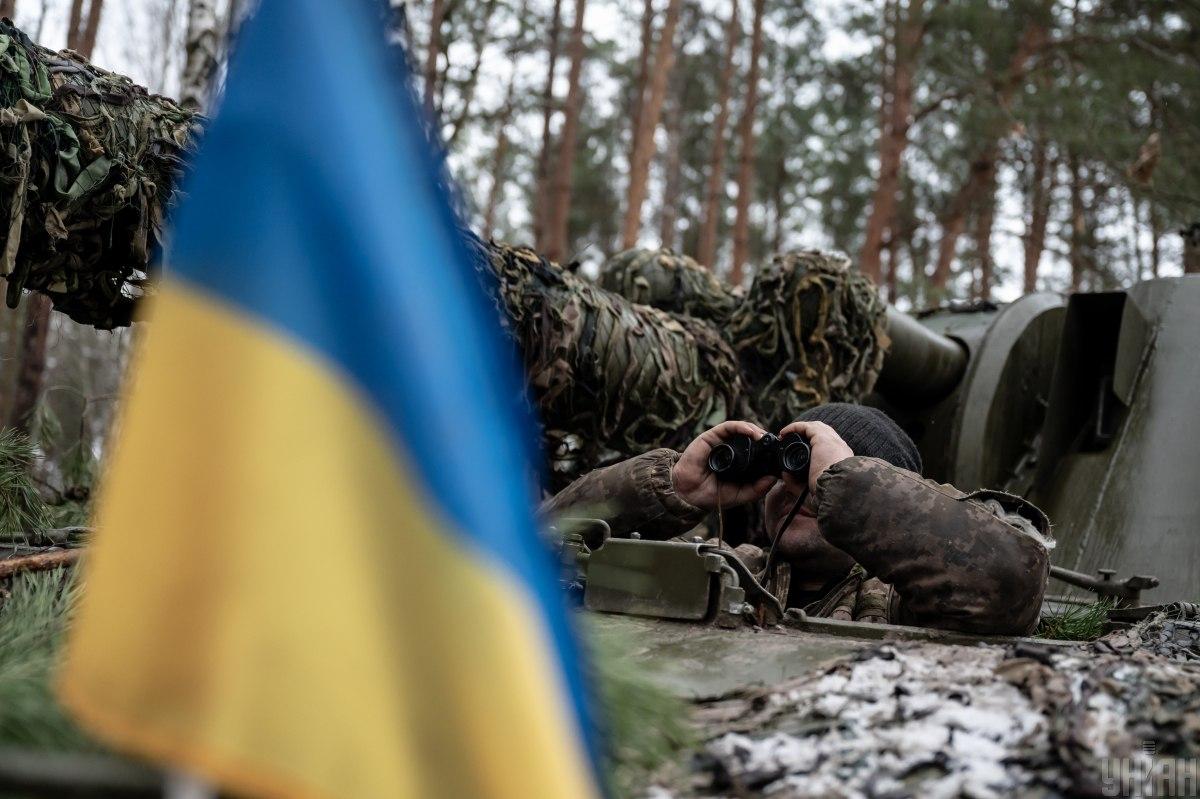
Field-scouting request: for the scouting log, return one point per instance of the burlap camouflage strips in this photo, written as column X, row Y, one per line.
column 810, row 329
column 88, row 160
column 611, row 378
column 671, row 282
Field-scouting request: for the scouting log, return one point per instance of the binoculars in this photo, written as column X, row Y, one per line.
column 741, row 459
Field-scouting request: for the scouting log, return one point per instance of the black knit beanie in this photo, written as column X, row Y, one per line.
column 869, row 432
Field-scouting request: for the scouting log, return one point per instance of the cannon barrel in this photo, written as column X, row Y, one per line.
column 922, row 366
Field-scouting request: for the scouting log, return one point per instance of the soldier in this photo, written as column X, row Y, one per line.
column 873, row 541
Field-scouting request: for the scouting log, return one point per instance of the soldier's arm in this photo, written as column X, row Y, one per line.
column 635, row 495
column 975, row 563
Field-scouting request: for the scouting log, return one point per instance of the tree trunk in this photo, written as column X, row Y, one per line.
column 541, row 209
column 41, row 21
column 674, row 174
column 32, row 373
column 31, row 377
column 985, row 218
column 745, row 179
column 437, row 12
column 87, row 36
column 1155, row 235
column 74, row 24
column 482, row 35
column 499, row 159
column 203, row 51
column 706, row 245
column 500, row 156
column 892, row 247
column 781, row 179
column 560, row 200
column 1191, row 249
column 638, row 99
column 1041, row 191
column 643, row 148
column 893, row 134
column 983, row 166
column 8, row 8
column 1078, row 225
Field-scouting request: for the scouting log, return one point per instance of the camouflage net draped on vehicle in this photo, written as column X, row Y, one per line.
column 88, row 163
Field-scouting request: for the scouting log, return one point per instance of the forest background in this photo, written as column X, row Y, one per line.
column 961, row 150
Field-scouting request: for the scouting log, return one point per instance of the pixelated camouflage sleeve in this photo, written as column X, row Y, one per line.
column 635, row 495
column 974, row 563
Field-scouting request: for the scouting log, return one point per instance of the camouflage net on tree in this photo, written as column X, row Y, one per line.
column 87, row 164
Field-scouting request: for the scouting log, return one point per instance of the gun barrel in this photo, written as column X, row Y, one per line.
column 921, row 366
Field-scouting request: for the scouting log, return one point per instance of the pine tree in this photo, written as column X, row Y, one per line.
column 557, row 233
column 706, row 248
column 745, row 179
column 643, row 146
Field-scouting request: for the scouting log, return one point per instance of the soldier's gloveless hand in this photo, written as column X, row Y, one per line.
column 828, row 448
column 696, row 485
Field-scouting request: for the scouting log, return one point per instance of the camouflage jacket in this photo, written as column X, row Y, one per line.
column 927, row 554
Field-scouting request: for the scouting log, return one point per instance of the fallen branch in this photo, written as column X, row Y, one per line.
column 43, row 561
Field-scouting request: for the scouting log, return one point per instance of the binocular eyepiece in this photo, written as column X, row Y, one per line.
column 741, row 459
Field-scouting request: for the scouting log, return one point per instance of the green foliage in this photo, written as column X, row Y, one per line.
column 646, row 725
column 32, row 622
column 1078, row 623
column 21, row 508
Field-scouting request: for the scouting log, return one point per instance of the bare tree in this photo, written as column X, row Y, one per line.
column 541, row 207
column 1041, row 190
column 31, row 374
column 903, row 37
column 8, row 9
column 643, row 147
column 481, row 36
column 985, row 218
column 434, row 51
column 706, row 245
column 503, row 118
column 638, row 99
column 203, row 52
column 668, row 214
column 745, row 179
column 557, row 235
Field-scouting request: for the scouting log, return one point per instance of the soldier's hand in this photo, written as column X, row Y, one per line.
column 827, row 449
column 698, row 486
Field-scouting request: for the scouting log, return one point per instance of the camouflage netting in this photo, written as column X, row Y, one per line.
column 614, row 378
column 669, row 281
column 811, row 330
column 86, row 172
column 934, row 720
column 611, row 378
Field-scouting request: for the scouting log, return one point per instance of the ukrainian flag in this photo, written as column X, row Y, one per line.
column 316, row 571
